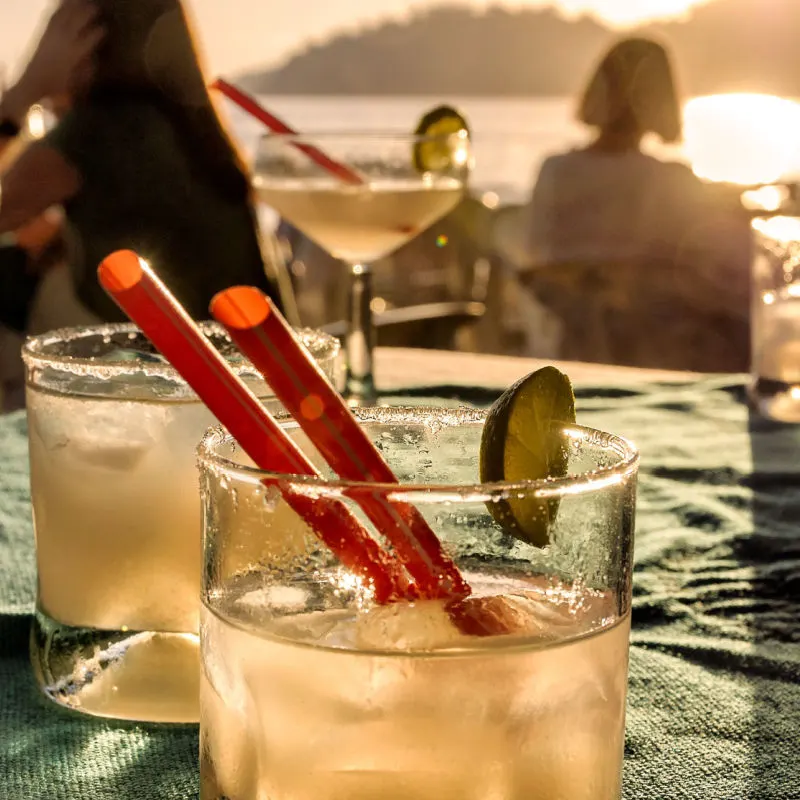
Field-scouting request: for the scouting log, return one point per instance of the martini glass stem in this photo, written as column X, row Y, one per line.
column 360, row 339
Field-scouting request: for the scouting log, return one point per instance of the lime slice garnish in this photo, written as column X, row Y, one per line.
column 521, row 441
column 435, row 152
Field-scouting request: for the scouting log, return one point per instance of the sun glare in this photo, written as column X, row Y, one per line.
column 628, row 12
column 742, row 138
column 781, row 230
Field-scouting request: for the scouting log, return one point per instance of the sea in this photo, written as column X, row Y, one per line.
column 741, row 138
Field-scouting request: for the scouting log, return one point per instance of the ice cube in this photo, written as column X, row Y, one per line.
column 518, row 613
column 228, row 752
column 415, row 755
column 116, row 436
column 120, row 457
column 423, row 625
column 584, row 678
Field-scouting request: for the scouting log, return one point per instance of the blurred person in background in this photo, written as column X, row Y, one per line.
column 652, row 226
column 139, row 159
column 29, row 251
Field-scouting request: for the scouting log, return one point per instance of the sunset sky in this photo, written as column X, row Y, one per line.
column 237, row 34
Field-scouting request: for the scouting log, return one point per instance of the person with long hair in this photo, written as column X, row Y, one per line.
column 141, row 160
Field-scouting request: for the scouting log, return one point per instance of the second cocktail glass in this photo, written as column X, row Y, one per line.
column 361, row 196
column 112, row 432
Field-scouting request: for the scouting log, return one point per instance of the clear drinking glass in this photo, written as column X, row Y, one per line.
column 113, row 432
column 309, row 690
column 775, row 318
column 405, row 184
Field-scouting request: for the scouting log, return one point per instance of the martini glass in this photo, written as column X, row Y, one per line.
column 360, row 196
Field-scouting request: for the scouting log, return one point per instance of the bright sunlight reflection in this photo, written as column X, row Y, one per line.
column 742, row 138
column 37, row 122
column 782, row 230
column 766, row 198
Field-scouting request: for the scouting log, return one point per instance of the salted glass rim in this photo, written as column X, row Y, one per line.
column 310, row 136
column 625, row 464
column 41, row 352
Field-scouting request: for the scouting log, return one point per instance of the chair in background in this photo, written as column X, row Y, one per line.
column 656, row 315
column 538, row 329
column 679, row 309
column 440, row 326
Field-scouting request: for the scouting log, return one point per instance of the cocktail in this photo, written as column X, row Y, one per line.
column 311, row 689
column 113, row 431
column 360, row 196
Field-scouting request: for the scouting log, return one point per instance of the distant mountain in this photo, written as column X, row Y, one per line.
column 738, row 45
column 726, row 45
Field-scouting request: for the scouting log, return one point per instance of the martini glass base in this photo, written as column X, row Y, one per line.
column 360, row 395
column 359, row 387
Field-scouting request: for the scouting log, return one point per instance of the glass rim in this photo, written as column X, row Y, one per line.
column 626, row 464
column 311, row 136
column 34, row 350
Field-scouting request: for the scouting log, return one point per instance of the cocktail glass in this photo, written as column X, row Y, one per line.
column 113, row 432
column 398, row 186
column 309, row 690
column 775, row 319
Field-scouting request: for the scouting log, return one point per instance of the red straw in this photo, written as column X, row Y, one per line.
column 144, row 298
column 264, row 336
column 249, row 104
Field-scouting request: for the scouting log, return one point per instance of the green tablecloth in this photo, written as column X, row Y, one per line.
column 714, row 703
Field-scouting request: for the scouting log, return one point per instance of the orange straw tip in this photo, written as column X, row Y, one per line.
column 241, row 307
column 120, row 271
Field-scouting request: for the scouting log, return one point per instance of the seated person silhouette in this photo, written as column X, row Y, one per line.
column 645, row 264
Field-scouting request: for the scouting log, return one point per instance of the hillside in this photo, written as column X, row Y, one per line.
column 727, row 45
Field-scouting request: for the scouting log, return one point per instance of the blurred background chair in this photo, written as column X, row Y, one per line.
column 442, row 326
column 641, row 315
column 678, row 307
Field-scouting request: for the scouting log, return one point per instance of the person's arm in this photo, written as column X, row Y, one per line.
column 39, row 179
column 63, row 54
column 521, row 232
column 539, row 215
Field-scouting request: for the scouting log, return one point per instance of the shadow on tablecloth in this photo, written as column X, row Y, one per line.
column 714, row 703
column 768, row 611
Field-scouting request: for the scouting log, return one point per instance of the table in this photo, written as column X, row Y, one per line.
column 714, row 702
column 401, row 368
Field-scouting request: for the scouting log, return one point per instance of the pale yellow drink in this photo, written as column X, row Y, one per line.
column 360, row 223
column 396, row 703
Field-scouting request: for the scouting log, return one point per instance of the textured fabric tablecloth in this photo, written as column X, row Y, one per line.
column 714, row 701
